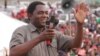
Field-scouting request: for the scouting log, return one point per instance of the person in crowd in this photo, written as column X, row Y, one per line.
column 31, row 39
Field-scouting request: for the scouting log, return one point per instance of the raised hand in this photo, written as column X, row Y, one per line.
column 80, row 13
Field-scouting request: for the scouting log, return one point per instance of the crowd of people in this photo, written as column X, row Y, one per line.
column 91, row 39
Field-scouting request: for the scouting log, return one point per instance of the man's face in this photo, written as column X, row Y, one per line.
column 40, row 16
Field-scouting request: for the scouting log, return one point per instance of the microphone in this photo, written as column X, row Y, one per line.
column 51, row 23
column 48, row 41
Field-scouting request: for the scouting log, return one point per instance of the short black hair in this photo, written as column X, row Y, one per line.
column 32, row 6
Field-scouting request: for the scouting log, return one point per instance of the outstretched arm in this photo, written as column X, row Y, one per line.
column 80, row 15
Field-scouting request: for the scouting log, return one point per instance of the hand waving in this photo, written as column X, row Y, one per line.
column 81, row 13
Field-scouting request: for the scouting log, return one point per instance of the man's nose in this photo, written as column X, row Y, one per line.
column 44, row 15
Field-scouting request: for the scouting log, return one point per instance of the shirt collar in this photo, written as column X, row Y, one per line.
column 32, row 27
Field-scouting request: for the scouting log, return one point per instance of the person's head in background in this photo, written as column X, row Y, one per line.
column 97, row 38
column 38, row 14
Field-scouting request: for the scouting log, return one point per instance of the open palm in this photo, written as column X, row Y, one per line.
column 81, row 13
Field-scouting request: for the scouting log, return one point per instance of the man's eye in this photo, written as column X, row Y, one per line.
column 46, row 12
column 40, row 13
